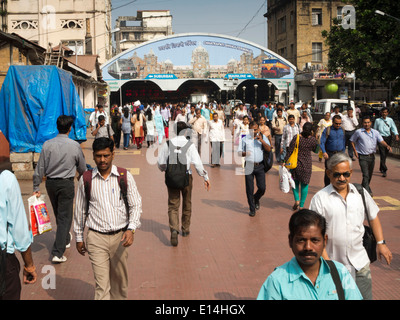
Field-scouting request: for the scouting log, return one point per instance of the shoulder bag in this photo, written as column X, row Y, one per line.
column 291, row 163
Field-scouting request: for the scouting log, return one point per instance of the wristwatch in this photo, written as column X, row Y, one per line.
column 381, row 242
column 133, row 230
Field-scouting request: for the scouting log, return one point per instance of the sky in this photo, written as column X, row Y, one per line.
column 237, row 18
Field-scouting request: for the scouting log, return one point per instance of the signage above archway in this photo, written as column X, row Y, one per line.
column 173, row 60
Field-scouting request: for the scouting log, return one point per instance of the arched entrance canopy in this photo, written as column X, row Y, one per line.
column 171, row 61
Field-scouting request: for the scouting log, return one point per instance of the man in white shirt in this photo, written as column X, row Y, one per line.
column 179, row 144
column 217, row 138
column 199, row 126
column 349, row 124
column 94, row 117
column 342, row 206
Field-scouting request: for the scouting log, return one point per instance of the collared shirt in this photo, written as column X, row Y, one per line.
column 294, row 112
column 384, row 126
column 288, row 133
column 336, row 140
column 60, row 158
column 104, row 132
column 107, row 211
column 198, row 124
column 349, row 124
column 366, row 142
column 289, row 282
column 253, row 148
column 217, row 130
column 269, row 113
column 12, row 212
column 278, row 124
column 166, row 114
column 94, row 118
column 345, row 224
column 192, row 156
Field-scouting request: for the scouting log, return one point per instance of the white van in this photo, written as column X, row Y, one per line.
column 327, row 105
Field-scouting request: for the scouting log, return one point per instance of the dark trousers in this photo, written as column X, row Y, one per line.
column 383, row 151
column 348, row 135
column 117, row 137
column 216, row 151
column 278, row 155
column 258, row 173
column 367, row 164
column 61, row 193
column 227, row 119
column 13, row 282
column 174, row 199
column 326, row 178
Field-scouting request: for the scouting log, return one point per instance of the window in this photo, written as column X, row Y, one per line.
column 282, row 25
column 282, row 52
column 339, row 13
column 317, row 51
column 316, row 17
column 291, row 19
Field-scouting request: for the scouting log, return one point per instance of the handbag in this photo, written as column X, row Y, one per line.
column 291, row 163
column 369, row 241
column 268, row 159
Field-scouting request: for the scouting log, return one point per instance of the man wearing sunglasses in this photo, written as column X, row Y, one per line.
column 342, row 206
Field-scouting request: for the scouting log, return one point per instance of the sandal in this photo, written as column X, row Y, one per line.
column 296, row 205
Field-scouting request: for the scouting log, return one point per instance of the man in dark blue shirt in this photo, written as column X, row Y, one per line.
column 333, row 140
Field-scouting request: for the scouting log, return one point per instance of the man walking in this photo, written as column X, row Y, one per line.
column 180, row 151
column 252, row 147
column 289, row 132
column 199, row 126
column 333, row 140
column 59, row 160
column 342, row 206
column 364, row 142
column 386, row 127
column 14, row 235
column 308, row 276
column 217, row 138
column 111, row 221
column 278, row 123
column 349, row 124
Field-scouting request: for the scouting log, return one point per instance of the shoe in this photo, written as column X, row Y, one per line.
column 70, row 239
column 353, row 159
column 252, row 213
column 383, row 174
column 185, row 233
column 174, row 238
column 257, row 204
column 59, row 260
column 296, row 206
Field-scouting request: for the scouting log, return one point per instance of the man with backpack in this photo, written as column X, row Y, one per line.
column 175, row 158
column 109, row 204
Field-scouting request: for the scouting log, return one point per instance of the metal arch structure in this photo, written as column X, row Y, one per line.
column 171, row 61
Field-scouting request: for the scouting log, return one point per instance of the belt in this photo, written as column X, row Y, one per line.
column 333, row 152
column 110, row 233
column 256, row 163
column 70, row 179
column 367, row 155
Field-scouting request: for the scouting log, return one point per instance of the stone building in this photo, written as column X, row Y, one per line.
column 147, row 25
column 84, row 26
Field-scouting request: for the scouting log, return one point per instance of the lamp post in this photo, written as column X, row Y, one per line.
column 255, row 93
column 385, row 14
column 244, row 94
column 313, row 82
column 288, row 99
column 269, row 91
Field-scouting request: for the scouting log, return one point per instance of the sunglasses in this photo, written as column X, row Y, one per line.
column 346, row 174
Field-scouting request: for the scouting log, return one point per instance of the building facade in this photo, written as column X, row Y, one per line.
column 147, row 25
column 84, row 26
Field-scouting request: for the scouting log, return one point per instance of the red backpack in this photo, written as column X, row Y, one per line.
column 123, row 184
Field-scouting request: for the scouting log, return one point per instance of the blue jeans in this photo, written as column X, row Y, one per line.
column 278, row 139
column 126, row 139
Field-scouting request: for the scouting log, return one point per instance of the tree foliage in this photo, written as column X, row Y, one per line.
column 372, row 49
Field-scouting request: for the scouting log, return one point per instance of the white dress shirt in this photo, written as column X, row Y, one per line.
column 107, row 211
column 349, row 124
column 217, row 131
column 345, row 224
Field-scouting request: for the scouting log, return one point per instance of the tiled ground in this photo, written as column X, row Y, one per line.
column 228, row 254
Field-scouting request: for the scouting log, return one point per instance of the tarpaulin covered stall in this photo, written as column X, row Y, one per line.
column 31, row 100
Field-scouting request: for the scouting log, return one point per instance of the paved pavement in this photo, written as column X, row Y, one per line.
column 228, row 254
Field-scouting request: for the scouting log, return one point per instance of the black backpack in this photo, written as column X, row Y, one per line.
column 177, row 175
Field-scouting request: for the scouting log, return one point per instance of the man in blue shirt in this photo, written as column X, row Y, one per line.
column 386, row 127
column 333, row 140
column 308, row 276
column 14, row 235
column 252, row 147
column 364, row 142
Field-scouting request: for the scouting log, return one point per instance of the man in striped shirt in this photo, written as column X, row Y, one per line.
column 111, row 228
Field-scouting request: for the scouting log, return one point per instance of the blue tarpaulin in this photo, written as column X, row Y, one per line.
column 31, row 100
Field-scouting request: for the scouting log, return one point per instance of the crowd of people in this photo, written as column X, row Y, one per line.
column 256, row 131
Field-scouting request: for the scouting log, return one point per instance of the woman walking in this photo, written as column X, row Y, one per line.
column 126, row 127
column 150, row 126
column 302, row 173
column 138, row 120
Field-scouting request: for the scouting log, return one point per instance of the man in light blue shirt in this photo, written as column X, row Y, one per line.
column 364, row 142
column 307, row 276
column 386, row 127
column 14, row 235
column 252, row 147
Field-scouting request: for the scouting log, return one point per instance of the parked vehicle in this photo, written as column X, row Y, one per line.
column 327, row 105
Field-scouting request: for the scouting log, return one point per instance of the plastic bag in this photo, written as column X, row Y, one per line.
column 286, row 181
column 39, row 215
